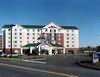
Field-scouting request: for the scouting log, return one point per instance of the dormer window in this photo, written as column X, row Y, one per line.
column 46, row 30
column 54, row 30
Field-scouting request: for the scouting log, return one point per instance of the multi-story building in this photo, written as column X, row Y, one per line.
column 17, row 36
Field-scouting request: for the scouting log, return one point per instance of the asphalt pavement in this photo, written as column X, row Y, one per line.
column 64, row 64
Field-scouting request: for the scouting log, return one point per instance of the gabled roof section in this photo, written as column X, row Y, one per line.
column 32, row 26
column 69, row 27
column 8, row 26
column 52, row 25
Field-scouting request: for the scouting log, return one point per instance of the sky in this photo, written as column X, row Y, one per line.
column 85, row 14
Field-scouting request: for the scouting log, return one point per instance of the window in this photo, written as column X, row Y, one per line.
column 67, row 30
column 72, row 34
column 20, row 33
column 15, row 29
column 67, row 34
column 9, row 45
column 9, row 38
column 72, row 38
column 50, row 30
column 15, row 37
column 20, row 37
column 9, row 33
column 8, row 29
column 27, row 41
column 67, row 38
column 67, row 41
column 72, row 41
column 33, row 38
column 67, row 45
column 59, row 39
column 15, row 33
column 27, row 29
column 27, row 37
column 72, row 45
column 33, row 33
column 15, row 45
column 38, row 30
column 20, row 41
column 46, row 30
column 33, row 30
column 15, row 41
column 59, row 30
column 72, row 30
column 20, row 29
column 54, row 30
column 20, row 45
column 27, row 33
column 9, row 41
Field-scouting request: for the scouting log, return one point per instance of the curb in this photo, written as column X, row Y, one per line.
column 88, row 66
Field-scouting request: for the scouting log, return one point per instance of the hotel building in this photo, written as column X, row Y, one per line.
column 17, row 36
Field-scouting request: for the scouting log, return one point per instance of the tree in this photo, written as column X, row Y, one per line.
column 98, row 48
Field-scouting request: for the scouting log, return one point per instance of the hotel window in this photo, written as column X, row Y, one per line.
column 15, row 29
column 33, row 38
column 59, row 30
column 20, row 41
column 38, row 30
column 15, row 33
column 33, row 33
column 27, row 29
column 58, row 38
column 72, row 45
column 9, row 38
column 9, row 45
column 27, row 33
column 20, row 45
column 67, row 41
column 20, row 33
column 33, row 30
column 67, row 38
column 9, row 41
column 9, row 33
column 72, row 34
column 67, row 30
column 50, row 30
column 72, row 38
column 59, row 35
column 27, row 41
column 15, row 45
column 54, row 30
column 72, row 41
column 67, row 34
column 20, row 37
column 15, row 37
column 46, row 30
column 20, row 29
column 27, row 37
column 67, row 45
column 15, row 41
column 8, row 29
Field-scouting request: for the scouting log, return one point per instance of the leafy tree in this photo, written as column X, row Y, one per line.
column 98, row 48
